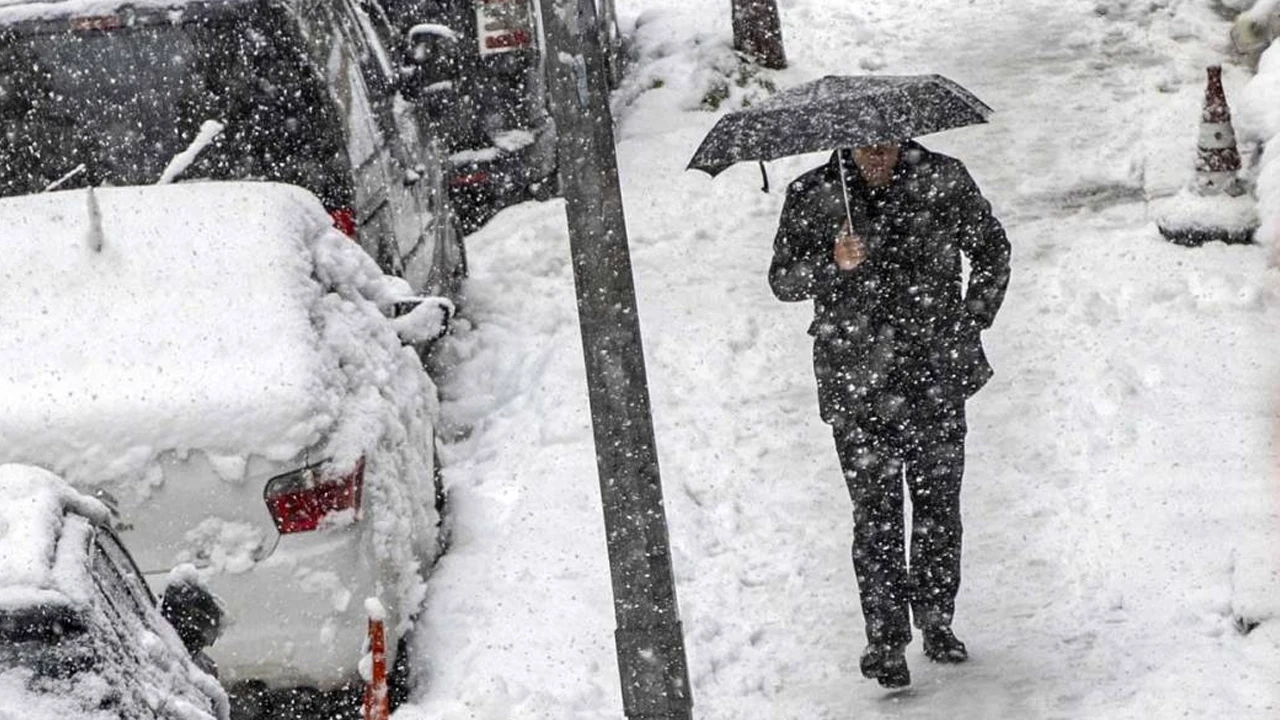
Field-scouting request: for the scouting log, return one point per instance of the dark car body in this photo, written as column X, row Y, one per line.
column 83, row 634
column 111, row 93
column 481, row 88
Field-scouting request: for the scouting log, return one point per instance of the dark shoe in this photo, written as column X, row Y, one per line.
column 941, row 645
column 886, row 665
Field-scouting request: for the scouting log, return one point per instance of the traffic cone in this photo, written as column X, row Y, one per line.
column 377, row 703
column 1215, row 207
column 1217, row 157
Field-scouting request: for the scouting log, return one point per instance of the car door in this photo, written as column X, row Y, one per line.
column 367, row 146
column 431, row 252
column 371, row 80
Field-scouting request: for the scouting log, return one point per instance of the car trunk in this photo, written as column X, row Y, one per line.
column 197, row 509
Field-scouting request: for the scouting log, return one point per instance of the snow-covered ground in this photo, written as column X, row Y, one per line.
column 1122, row 499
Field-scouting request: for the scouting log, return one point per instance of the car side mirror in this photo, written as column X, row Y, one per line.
column 434, row 61
column 193, row 611
column 423, row 320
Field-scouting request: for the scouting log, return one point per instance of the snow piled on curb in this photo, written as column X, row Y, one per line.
column 1260, row 121
column 1190, row 210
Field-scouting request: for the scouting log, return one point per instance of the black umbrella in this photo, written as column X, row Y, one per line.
column 837, row 112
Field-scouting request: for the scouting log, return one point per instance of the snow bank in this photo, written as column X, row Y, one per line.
column 1256, row 25
column 1259, row 119
column 1189, row 210
column 1255, row 575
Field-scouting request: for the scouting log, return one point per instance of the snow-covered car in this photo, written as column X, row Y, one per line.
column 220, row 362
column 80, row 634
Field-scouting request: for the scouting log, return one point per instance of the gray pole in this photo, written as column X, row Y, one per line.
column 757, row 32
column 650, row 643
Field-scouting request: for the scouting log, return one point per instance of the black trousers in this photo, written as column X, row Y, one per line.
column 919, row 440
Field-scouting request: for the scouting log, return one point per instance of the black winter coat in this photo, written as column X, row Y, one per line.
column 900, row 326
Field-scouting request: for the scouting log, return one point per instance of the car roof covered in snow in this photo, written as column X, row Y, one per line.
column 35, row 568
column 179, row 320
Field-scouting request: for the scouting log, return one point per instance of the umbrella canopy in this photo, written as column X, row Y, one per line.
column 837, row 112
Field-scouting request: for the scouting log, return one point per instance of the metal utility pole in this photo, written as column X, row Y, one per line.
column 757, row 32
column 650, row 642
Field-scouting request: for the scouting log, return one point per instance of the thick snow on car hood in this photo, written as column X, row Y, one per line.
column 189, row 329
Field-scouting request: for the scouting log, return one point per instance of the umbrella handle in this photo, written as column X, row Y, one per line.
column 764, row 174
column 844, row 189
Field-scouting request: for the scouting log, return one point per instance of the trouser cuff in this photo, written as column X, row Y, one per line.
column 926, row 618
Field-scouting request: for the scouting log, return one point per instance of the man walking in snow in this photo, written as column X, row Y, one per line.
column 875, row 238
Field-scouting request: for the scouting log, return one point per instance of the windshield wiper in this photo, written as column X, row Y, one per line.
column 209, row 130
column 62, row 180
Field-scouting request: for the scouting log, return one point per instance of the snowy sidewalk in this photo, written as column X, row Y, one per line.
column 1121, row 498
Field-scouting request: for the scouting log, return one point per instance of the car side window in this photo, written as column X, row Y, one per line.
column 379, row 66
column 363, row 138
column 377, row 70
column 384, row 32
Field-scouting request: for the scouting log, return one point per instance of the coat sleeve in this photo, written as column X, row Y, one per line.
column 982, row 239
column 802, row 262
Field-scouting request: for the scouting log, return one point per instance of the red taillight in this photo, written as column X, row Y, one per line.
column 513, row 39
column 345, row 220
column 100, row 22
column 472, row 178
column 299, row 500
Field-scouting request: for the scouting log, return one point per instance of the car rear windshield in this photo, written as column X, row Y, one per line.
column 122, row 97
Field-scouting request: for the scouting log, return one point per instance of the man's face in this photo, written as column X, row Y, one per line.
column 876, row 162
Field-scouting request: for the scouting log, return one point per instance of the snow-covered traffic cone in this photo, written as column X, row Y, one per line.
column 1217, row 157
column 377, row 704
column 1215, row 206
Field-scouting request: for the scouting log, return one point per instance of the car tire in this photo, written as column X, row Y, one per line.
column 251, row 701
column 437, row 479
column 303, row 702
column 545, row 189
column 399, row 672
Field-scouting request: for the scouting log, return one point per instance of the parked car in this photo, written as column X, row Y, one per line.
column 80, row 634
column 475, row 73
column 110, row 93
column 218, row 360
